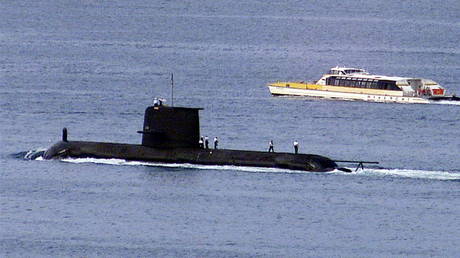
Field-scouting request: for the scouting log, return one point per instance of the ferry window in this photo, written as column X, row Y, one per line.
column 387, row 85
column 381, row 84
column 392, row 86
column 354, row 82
column 348, row 81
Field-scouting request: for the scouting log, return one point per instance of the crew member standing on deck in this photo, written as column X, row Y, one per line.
column 296, row 147
column 201, row 143
column 216, row 141
column 206, row 142
column 270, row 146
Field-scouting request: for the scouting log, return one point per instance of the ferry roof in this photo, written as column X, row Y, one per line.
column 342, row 68
column 379, row 77
column 348, row 69
column 361, row 73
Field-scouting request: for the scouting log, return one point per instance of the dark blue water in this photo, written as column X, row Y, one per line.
column 94, row 66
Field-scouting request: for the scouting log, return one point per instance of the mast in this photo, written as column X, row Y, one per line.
column 172, row 90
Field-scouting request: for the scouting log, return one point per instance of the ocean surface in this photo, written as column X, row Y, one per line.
column 94, row 66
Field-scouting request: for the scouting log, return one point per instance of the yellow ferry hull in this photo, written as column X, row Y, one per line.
column 341, row 93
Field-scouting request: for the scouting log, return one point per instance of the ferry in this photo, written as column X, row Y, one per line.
column 345, row 83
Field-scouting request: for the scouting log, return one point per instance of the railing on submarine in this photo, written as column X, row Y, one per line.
column 360, row 163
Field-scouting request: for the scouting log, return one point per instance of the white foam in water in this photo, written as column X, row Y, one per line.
column 35, row 154
column 446, row 102
column 181, row 165
column 408, row 173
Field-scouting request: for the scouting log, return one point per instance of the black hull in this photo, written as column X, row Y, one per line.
column 451, row 98
column 133, row 152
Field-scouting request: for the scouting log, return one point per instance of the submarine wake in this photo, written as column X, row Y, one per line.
column 34, row 154
column 377, row 172
column 410, row 173
column 122, row 162
column 37, row 154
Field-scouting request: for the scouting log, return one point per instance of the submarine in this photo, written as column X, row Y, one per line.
column 172, row 135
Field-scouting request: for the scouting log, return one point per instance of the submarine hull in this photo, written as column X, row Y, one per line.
column 133, row 152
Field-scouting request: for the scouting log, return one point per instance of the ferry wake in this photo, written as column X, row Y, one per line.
column 346, row 83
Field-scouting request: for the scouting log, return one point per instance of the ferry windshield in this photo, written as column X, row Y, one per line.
column 353, row 71
column 342, row 71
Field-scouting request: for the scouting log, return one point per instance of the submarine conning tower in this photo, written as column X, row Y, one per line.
column 168, row 127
